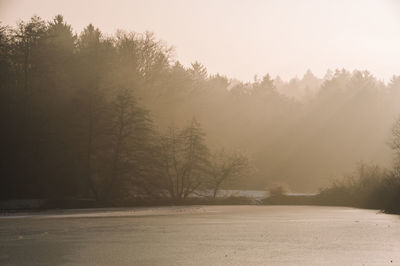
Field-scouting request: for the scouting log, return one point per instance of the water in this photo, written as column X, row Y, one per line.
column 253, row 194
column 212, row 235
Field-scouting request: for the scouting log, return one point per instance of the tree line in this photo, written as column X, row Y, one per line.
column 73, row 125
column 88, row 113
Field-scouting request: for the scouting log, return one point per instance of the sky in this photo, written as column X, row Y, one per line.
column 241, row 39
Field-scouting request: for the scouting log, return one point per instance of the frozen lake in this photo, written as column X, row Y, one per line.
column 202, row 235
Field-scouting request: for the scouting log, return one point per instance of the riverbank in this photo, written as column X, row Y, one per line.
column 17, row 206
column 334, row 196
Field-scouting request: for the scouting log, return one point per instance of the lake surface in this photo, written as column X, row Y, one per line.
column 202, row 235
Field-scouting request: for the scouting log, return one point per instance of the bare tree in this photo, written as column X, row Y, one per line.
column 124, row 116
column 185, row 159
column 226, row 166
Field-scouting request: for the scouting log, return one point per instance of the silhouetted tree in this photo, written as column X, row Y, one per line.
column 131, row 143
column 395, row 145
column 185, row 159
column 225, row 167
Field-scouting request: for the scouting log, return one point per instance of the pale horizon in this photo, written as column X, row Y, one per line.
column 284, row 38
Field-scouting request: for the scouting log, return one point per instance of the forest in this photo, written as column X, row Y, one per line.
column 111, row 117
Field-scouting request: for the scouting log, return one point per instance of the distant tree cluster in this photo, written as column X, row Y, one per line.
column 72, row 125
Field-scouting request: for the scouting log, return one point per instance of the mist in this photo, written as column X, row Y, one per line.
column 199, row 133
column 92, row 109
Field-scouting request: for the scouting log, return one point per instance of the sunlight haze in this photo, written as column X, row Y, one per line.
column 243, row 38
column 187, row 132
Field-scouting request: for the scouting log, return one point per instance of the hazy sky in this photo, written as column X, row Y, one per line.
column 244, row 38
